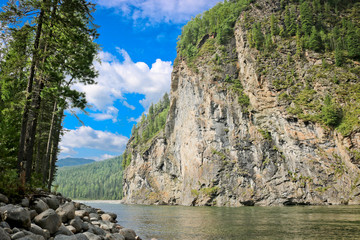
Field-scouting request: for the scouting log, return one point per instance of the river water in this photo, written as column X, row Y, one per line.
column 206, row 223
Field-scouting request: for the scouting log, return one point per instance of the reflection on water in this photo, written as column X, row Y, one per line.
column 176, row 222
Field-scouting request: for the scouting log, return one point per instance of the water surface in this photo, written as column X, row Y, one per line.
column 177, row 222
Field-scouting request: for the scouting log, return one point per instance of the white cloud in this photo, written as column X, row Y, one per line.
column 86, row 137
column 177, row 11
column 126, row 104
column 110, row 113
column 117, row 78
column 103, row 157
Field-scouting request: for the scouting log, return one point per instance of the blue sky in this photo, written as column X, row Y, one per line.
column 138, row 46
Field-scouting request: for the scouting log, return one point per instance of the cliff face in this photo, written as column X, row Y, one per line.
column 215, row 151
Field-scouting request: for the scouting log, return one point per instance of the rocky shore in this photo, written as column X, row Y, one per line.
column 44, row 216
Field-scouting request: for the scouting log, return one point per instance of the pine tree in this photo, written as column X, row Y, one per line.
column 353, row 42
column 315, row 42
column 306, row 16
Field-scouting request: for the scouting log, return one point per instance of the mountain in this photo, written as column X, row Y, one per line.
column 98, row 180
column 66, row 162
column 264, row 110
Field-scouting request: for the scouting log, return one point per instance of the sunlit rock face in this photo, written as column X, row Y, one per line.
column 213, row 151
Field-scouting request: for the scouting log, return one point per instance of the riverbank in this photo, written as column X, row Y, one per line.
column 44, row 216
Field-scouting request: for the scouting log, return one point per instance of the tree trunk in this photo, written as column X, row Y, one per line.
column 50, row 139
column 23, row 163
column 54, row 150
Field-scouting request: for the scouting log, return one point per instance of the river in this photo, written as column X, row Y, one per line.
column 207, row 223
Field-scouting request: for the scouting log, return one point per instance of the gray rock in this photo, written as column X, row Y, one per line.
column 71, row 228
column 92, row 236
column 77, row 223
column 3, row 198
column 107, row 217
column 99, row 211
column 49, row 220
column 17, row 235
column 53, row 202
column 96, row 230
column 40, row 206
column 86, row 218
column 39, row 231
column 4, row 225
column 65, row 237
column 16, row 216
column 85, row 226
column 129, row 234
column 94, row 216
column 8, row 230
column 4, row 235
column 63, row 231
column 25, row 202
column 81, row 213
column 117, row 236
column 112, row 215
column 33, row 214
column 66, row 211
column 81, row 236
column 15, row 230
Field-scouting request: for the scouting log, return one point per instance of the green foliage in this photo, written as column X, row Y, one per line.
column 330, row 114
column 126, row 160
column 353, row 41
column 265, row 134
column 150, row 125
column 218, row 153
column 99, row 180
column 210, row 191
column 315, row 42
column 218, row 22
column 257, row 36
column 306, row 16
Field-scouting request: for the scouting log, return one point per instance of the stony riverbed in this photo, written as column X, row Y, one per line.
column 44, row 216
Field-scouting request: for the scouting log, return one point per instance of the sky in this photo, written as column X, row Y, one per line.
column 138, row 47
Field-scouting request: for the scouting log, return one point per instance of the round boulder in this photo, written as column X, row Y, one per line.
column 48, row 220
column 40, row 206
column 4, row 235
column 66, row 211
column 129, row 234
column 16, row 216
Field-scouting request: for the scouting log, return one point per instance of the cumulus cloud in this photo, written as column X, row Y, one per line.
column 86, row 137
column 176, row 11
column 110, row 113
column 103, row 157
column 118, row 78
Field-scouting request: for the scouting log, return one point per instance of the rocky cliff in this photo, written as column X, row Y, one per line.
column 231, row 137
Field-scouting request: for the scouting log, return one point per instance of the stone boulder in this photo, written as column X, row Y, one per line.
column 63, row 231
column 129, row 234
column 65, row 237
column 77, row 224
column 16, row 216
column 66, row 211
column 35, row 229
column 4, row 235
column 49, row 220
column 81, row 213
column 40, row 206
column 108, row 217
column 81, row 236
column 53, row 202
column 92, row 236
column 3, row 198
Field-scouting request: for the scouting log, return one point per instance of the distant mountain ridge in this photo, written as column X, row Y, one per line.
column 67, row 162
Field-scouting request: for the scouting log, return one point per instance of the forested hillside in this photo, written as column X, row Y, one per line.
column 66, row 162
column 47, row 46
column 99, row 180
column 148, row 126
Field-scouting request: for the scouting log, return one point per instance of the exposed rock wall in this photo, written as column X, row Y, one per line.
column 214, row 152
